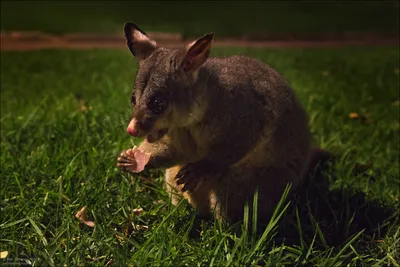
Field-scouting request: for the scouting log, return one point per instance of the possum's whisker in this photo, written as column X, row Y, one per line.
column 197, row 118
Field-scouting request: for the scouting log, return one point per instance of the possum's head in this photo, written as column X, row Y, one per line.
column 163, row 98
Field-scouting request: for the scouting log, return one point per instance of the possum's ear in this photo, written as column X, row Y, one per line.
column 196, row 53
column 140, row 45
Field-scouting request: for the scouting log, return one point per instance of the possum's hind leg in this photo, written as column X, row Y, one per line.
column 174, row 190
column 203, row 199
column 239, row 185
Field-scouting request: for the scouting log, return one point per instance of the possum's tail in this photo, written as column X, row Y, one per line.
column 318, row 161
column 320, row 158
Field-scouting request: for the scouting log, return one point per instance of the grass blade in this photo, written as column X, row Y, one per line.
column 345, row 247
column 38, row 231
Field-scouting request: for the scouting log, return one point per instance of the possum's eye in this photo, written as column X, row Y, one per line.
column 133, row 100
column 157, row 105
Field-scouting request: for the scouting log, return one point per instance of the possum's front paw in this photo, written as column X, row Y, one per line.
column 190, row 177
column 194, row 174
column 133, row 160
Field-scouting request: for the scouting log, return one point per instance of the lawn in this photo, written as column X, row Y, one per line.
column 193, row 18
column 63, row 120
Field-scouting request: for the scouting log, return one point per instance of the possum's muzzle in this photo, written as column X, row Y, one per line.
column 134, row 129
column 156, row 135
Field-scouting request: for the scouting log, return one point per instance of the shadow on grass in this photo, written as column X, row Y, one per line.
column 329, row 224
column 333, row 216
column 323, row 217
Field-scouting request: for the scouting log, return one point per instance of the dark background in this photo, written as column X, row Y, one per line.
column 192, row 18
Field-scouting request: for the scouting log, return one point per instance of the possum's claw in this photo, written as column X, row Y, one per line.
column 191, row 176
column 194, row 174
column 191, row 183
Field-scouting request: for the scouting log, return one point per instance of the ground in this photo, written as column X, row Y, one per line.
column 64, row 114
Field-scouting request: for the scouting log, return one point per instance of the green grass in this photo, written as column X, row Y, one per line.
column 56, row 158
column 193, row 18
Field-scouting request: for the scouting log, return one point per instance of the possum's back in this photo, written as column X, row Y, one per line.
column 262, row 92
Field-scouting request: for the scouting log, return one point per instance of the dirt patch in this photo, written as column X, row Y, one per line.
column 20, row 41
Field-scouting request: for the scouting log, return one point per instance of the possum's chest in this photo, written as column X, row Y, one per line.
column 189, row 145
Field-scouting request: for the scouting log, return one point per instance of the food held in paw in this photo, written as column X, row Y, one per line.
column 133, row 160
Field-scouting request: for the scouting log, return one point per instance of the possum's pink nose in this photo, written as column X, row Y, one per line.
column 133, row 128
column 131, row 131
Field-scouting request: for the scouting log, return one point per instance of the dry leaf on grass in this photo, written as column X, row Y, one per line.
column 157, row 202
column 84, row 106
column 137, row 211
column 82, row 216
column 356, row 116
column 128, row 229
column 141, row 227
column 75, row 238
column 3, row 254
column 120, row 238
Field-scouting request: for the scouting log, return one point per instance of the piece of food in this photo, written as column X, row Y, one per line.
column 133, row 160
